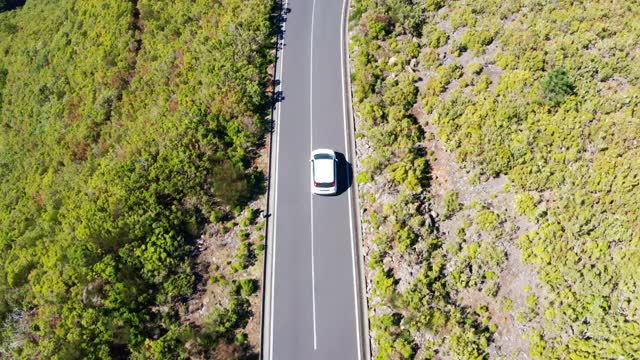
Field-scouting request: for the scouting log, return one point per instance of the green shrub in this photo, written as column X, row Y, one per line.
column 453, row 247
column 506, row 61
column 482, row 84
column 476, row 40
column 457, row 48
column 248, row 287
column 529, row 126
column 444, row 75
column 464, row 82
column 241, row 338
column 378, row 25
column 472, row 250
column 451, row 71
column 214, row 217
column 487, row 220
column 461, row 17
column 405, row 239
column 434, row 87
column 491, row 289
column 468, row 343
column 475, row 68
column 404, row 348
column 243, row 234
column 429, row 59
column 434, row 36
column 375, row 260
column 249, row 217
column 244, row 256
column 383, row 284
column 451, row 203
column 214, row 279
column 245, row 222
column 433, row 5
column 525, row 205
column 557, row 86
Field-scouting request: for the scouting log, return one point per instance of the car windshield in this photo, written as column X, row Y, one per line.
column 324, row 185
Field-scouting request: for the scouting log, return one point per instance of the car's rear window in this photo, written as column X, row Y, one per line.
column 322, row 156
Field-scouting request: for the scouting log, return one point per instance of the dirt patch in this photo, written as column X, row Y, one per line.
column 216, row 264
column 516, row 280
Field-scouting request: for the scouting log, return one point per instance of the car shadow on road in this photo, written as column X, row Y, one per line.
column 344, row 173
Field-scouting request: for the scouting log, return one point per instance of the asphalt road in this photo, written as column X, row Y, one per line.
column 312, row 305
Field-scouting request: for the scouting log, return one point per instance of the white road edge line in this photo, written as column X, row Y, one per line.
column 275, row 185
column 313, row 283
column 343, row 34
column 313, row 272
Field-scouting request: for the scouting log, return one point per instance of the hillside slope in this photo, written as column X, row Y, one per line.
column 125, row 126
column 499, row 169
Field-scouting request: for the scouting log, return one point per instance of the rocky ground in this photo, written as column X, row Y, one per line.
column 515, row 282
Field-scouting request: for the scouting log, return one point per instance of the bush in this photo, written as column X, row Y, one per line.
column 249, row 217
column 487, row 220
column 406, row 238
column 383, row 284
column 429, row 59
column 377, row 25
column 451, row 203
column 244, row 256
column 557, row 86
column 444, row 75
column 465, row 342
column 525, row 205
column 482, row 85
column 457, row 48
column 433, row 5
column 214, row 217
column 476, row 40
column 434, row 36
column 461, row 17
column 475, row 68
column 241, row 338
column 248, row 287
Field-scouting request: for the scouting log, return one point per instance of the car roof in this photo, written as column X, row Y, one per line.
column 323, row 171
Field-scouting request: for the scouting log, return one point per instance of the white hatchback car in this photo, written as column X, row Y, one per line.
column 323, row 172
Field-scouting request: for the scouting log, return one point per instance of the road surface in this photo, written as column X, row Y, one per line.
column 312, row 298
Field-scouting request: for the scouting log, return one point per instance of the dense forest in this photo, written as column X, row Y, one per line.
column 544, row 94
column 126, row 127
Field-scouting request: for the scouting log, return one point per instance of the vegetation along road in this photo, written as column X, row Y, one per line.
column 495, row 146
column 129, row 132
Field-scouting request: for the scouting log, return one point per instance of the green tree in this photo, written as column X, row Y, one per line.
column 557, row 86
